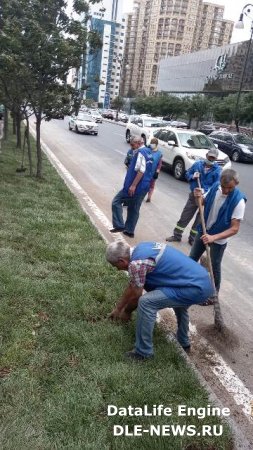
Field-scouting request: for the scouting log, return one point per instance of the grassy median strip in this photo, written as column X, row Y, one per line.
column 62, row 361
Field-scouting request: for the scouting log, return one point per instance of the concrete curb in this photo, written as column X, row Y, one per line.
column 121, row 124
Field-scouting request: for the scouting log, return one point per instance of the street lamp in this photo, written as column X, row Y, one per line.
column 248, row 12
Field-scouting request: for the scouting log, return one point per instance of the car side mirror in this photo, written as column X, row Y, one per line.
column 172, row 143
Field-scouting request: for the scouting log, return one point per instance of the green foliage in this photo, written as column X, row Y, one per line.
column 159, row 106
column 117, row 103
column 39, row 44
column 224, row 108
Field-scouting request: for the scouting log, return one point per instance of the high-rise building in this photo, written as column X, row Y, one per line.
column 103, row 69
column 160, row 28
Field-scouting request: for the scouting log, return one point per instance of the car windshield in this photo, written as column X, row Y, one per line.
column 153, row 123
column 189, row 140
column 243, row 139
column 84, row 117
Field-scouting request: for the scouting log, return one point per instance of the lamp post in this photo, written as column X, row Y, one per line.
column 248, row 12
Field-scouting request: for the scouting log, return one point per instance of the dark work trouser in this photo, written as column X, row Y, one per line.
column 186, row 216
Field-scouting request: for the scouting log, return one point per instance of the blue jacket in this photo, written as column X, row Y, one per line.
column 206, row 179
column 174, row 274
column 144, row 184
column 224, row 218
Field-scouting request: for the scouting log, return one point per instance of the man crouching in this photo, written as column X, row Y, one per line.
column 171, row 279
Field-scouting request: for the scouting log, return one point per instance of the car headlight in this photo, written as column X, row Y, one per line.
column 226, row 160
column 245, row 149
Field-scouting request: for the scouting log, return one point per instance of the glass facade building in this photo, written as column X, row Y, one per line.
column 213, row 71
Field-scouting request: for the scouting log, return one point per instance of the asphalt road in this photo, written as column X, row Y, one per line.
column 97, row 164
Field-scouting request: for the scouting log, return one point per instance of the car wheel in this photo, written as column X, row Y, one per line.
column 95, row 134
column 235, row 156
column 128, row 136
column 76, row 130
column 179, row 169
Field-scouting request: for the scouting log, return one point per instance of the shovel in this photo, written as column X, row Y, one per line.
column 218, row 319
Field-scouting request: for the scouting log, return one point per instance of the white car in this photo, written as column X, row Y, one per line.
column 83, row 123
column 142, row 125
column 96, row 116
column 181, row 148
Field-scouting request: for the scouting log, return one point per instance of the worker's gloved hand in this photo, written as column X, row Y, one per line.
column 155, row 176
column 195, row 175
column 198, row 192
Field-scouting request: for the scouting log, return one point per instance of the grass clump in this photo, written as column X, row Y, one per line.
column 62, row 361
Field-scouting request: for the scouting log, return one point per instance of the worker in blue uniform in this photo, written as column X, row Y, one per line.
column 171, row 279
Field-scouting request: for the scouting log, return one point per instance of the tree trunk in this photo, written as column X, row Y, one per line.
column 38, row 147
column 6, row 123
column 18, row 130
column 237, row 125
column 14, row 124
column 29, row 151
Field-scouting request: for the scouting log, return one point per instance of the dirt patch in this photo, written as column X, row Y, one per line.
column 219, row 339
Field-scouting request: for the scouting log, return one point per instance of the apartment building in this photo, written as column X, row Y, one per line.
column 157, row 29
column 101, row 72
column 104, row 68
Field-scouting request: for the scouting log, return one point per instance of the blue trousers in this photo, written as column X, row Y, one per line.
column 148, row 305
column 216, row 253
column 133, row 210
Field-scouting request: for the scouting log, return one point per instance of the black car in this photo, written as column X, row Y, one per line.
column 237, row 146
column 207, row 128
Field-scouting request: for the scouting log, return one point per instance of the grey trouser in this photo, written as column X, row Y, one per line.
column 186, row 216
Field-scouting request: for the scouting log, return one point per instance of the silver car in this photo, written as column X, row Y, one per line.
column 83, row 123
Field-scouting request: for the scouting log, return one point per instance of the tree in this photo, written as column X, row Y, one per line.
column 39, row 45
column 196, row 107
column 117, row 103
column 164, row 105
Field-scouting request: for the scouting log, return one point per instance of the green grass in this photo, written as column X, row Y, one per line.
column 62, row 361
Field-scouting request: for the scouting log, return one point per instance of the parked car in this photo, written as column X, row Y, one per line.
column 207, row 128
column 96, row 116
column 181, row 148
column 237, row 146
column 178, row 124
column 83, row 123
column 108, row 114
column 122, row 117
column 142, row 126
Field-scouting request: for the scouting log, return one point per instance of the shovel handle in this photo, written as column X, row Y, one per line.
column 201, row 212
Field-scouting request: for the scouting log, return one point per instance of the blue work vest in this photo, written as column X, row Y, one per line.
column 144, row 184
column 174, row 272
column 207, row 179
column 224, row 218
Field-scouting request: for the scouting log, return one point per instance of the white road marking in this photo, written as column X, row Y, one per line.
column 241, row 394
column 119, row 134
column 231, row 382
column 119, row 151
